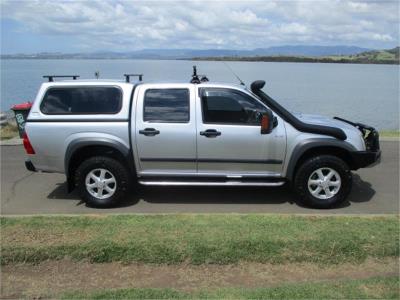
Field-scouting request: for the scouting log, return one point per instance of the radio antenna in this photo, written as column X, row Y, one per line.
column 230, row 69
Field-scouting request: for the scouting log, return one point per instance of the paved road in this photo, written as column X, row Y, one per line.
column 375, row 191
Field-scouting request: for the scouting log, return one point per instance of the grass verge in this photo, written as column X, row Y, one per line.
column 389, row 133
column 199, row 239
column 373, row 288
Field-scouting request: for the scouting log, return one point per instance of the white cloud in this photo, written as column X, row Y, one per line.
column 382, row 37
column 128, row 25
column 293, row 28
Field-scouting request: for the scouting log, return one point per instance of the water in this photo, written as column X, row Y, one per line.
column 362, row 93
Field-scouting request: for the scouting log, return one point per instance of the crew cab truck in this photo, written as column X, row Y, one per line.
column 106, row 135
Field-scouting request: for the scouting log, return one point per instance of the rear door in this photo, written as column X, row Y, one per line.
column 229, row 139
column 165, row 131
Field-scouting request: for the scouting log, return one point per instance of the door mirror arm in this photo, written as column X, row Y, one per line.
column 275, row 121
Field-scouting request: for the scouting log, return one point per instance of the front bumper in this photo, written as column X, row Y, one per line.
column 362, row 159
column 372, row 155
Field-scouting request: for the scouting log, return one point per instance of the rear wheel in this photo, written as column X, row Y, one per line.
column 323, row 181
column 102, row 181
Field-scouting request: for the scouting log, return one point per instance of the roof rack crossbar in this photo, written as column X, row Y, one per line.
column 51, row 77
column 127, row 77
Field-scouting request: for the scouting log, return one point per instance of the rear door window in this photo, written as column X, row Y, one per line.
column 166, row 106
column 82, row 100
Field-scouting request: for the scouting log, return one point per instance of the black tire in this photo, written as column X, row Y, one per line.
column 114, row 167
column 308, row 167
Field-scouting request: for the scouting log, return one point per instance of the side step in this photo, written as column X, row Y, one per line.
column 210, row 183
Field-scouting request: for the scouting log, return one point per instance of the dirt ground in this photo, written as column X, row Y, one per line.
column 54, row 277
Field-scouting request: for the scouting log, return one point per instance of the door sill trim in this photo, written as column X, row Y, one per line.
column 201, row 175
column 210, row 183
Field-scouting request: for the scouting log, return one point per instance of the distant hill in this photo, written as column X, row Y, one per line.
column 390, row 56
column 378, row 55
column 311, row 50
column 288, row 50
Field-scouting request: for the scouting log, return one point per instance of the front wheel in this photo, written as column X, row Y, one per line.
column 102, row 181
column 323, row 181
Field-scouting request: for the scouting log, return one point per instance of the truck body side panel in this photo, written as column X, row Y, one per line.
column 51, row 139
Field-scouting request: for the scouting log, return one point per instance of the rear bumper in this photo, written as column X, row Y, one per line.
column 29, row 165
column 362, row 159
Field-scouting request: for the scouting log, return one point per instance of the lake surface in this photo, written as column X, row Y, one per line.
column 362, row 93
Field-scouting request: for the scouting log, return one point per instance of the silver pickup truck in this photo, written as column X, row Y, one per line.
column 108, row 135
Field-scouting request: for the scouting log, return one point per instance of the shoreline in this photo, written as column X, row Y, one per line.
column 295, row 59
column 229, row 59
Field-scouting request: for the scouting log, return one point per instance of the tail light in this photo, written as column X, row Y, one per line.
column 27, row 144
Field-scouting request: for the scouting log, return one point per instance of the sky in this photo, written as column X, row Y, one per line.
column 34, row 26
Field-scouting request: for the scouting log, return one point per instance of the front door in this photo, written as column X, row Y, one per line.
column 165, row 132
column 229, row 139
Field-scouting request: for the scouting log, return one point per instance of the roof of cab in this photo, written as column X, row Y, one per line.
column 222, row 84
column 203, row 84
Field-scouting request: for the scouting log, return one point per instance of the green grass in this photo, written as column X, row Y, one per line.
column 389, row 133
column 374, row 288
column 199, row 239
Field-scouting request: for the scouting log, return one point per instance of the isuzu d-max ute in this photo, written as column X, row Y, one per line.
column 106, row 135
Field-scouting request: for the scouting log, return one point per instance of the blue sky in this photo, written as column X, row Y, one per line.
column 110, row 25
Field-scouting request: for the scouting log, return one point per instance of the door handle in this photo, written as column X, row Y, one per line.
column 149, row 131
column 210, row 133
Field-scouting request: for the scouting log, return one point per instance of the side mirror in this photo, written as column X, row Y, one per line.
column 267, row 122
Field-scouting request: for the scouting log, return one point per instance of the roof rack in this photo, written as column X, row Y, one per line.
column 51, row 77
column 127, row 77
column 195, row 78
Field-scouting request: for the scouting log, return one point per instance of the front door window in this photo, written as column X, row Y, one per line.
column 224, row 106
